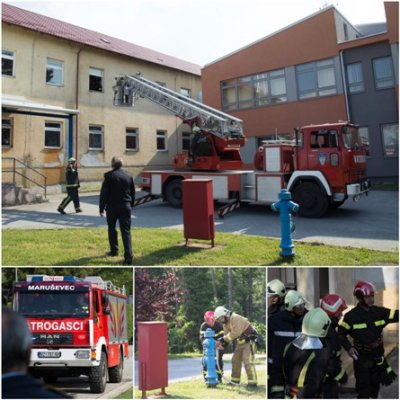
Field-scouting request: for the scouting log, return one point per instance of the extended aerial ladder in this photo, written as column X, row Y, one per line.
column 222, row 133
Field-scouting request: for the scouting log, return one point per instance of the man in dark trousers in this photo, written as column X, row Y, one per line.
column 364, row 324
column 16, row 350
column 72, row 186
column 117, row 197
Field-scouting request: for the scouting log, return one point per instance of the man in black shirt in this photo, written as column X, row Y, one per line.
column 210, row 322
column 117, row 198
column 364, row 324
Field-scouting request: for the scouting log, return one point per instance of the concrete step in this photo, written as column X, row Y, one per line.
column 13, row 195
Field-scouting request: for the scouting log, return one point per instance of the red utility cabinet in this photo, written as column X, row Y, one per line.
column 198, row 209
column 153, row 356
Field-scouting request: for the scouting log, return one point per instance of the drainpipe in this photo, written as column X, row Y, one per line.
column 77, row 103
column 344, row 85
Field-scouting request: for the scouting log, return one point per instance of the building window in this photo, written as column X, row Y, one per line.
column 6, row 132
column 186, row 140
column 390, row 140
column 96, row 133
column 316, row 79
column 185, row 92
column 383, row 71
column 132, row 139
column 161, row 140
column 254, row 91
column 52, row 135
column 355, row 81
column 54, row 72
column 95, row 80
column 8, row 63
column 346, row 32
column 364, row 135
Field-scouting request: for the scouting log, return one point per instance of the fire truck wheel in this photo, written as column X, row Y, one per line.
column 313, row 202
column 115, row 373
column 49, row 379
column 98, row 375
column 173, row 193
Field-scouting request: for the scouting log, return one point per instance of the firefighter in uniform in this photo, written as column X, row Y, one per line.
column 210, row 322
column 283, row 327
column 364, row 324
column 239, row 329
column 276, row 293
column 305, row 360
column 72, row 185
column 334, row 305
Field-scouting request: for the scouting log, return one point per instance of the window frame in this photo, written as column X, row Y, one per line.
column 355, row 84
column 378, row 80
column 7, row 57
column 96, row 132
column 9, row 125
column 367, row 147
column 61, row 68
column 186, row 138
column 185, row 92
column 53, row 129
column 382, row 126
column 161, row 134
column 101, row 71
column 132, row 132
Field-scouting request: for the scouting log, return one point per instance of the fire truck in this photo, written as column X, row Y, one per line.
column 322, row 166
column 79, row 327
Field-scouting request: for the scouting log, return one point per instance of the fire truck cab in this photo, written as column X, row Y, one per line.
column 79, row 327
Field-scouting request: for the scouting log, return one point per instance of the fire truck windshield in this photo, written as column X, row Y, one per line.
column 351, row 138
column 52, row 304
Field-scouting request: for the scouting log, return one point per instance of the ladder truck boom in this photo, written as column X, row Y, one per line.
column 129, row 88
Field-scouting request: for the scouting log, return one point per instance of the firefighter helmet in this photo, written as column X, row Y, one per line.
column 209, row 317
column 293, row 299
column 221, row 312
column 276, row 288
column 196, row 129
column 364, row 288
column 333, row 304
column 316, row 323
column 72, row 160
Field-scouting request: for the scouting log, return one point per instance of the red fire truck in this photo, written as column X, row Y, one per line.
column 79, row 327
column 322, row 166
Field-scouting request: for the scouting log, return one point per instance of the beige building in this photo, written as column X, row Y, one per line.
column 57, row 100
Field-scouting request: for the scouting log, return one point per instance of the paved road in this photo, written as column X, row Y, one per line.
column 370, row 223
column 79, row 387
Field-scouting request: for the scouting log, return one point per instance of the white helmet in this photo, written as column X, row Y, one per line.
column 316, row 323
column 71, row 160
column 196, row 129
column 276, row 288
column 221, row 312
column 293, row 299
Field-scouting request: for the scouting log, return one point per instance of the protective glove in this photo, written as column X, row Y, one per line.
column 386, row 373
column 223, row 342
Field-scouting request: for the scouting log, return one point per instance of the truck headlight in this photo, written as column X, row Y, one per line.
column 82, row 354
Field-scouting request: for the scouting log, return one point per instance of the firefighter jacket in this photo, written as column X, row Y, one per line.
column 305, row 371
column 334, row 370
column 217, row 328
column 283, row 327
column 72, row 178
column 237, row 327
column 365, row 327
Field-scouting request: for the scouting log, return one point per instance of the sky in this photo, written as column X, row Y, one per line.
column 198, row 31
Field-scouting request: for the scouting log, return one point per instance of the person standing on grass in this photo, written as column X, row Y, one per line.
column 117, row 198
column 72, row 185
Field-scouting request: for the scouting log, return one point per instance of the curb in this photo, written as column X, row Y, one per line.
column 115, row 392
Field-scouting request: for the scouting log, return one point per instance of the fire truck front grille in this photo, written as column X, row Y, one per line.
column 52, row 338
column 356, row 175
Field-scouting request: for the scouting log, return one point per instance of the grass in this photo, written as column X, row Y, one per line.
column 196, row 389
column 126, row 395
column 155, row 246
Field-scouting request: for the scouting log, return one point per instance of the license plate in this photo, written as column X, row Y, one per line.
column 49, row 354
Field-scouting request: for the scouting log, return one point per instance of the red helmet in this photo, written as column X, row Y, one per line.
column 209, row 317
column 333, row 304
column 364, row 288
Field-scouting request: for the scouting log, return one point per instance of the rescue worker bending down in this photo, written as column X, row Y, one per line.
column 283, row 327
column 276, row 294
column 210, row 322
column 239, row 329
column 305, row 360
column 364, row 324
column 333, row 305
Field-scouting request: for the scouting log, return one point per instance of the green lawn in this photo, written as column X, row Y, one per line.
column 196, row 389
column 126, row 395
column 155, row 246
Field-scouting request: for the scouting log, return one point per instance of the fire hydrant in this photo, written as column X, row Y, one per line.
column 286, row 207
column 209, row 358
